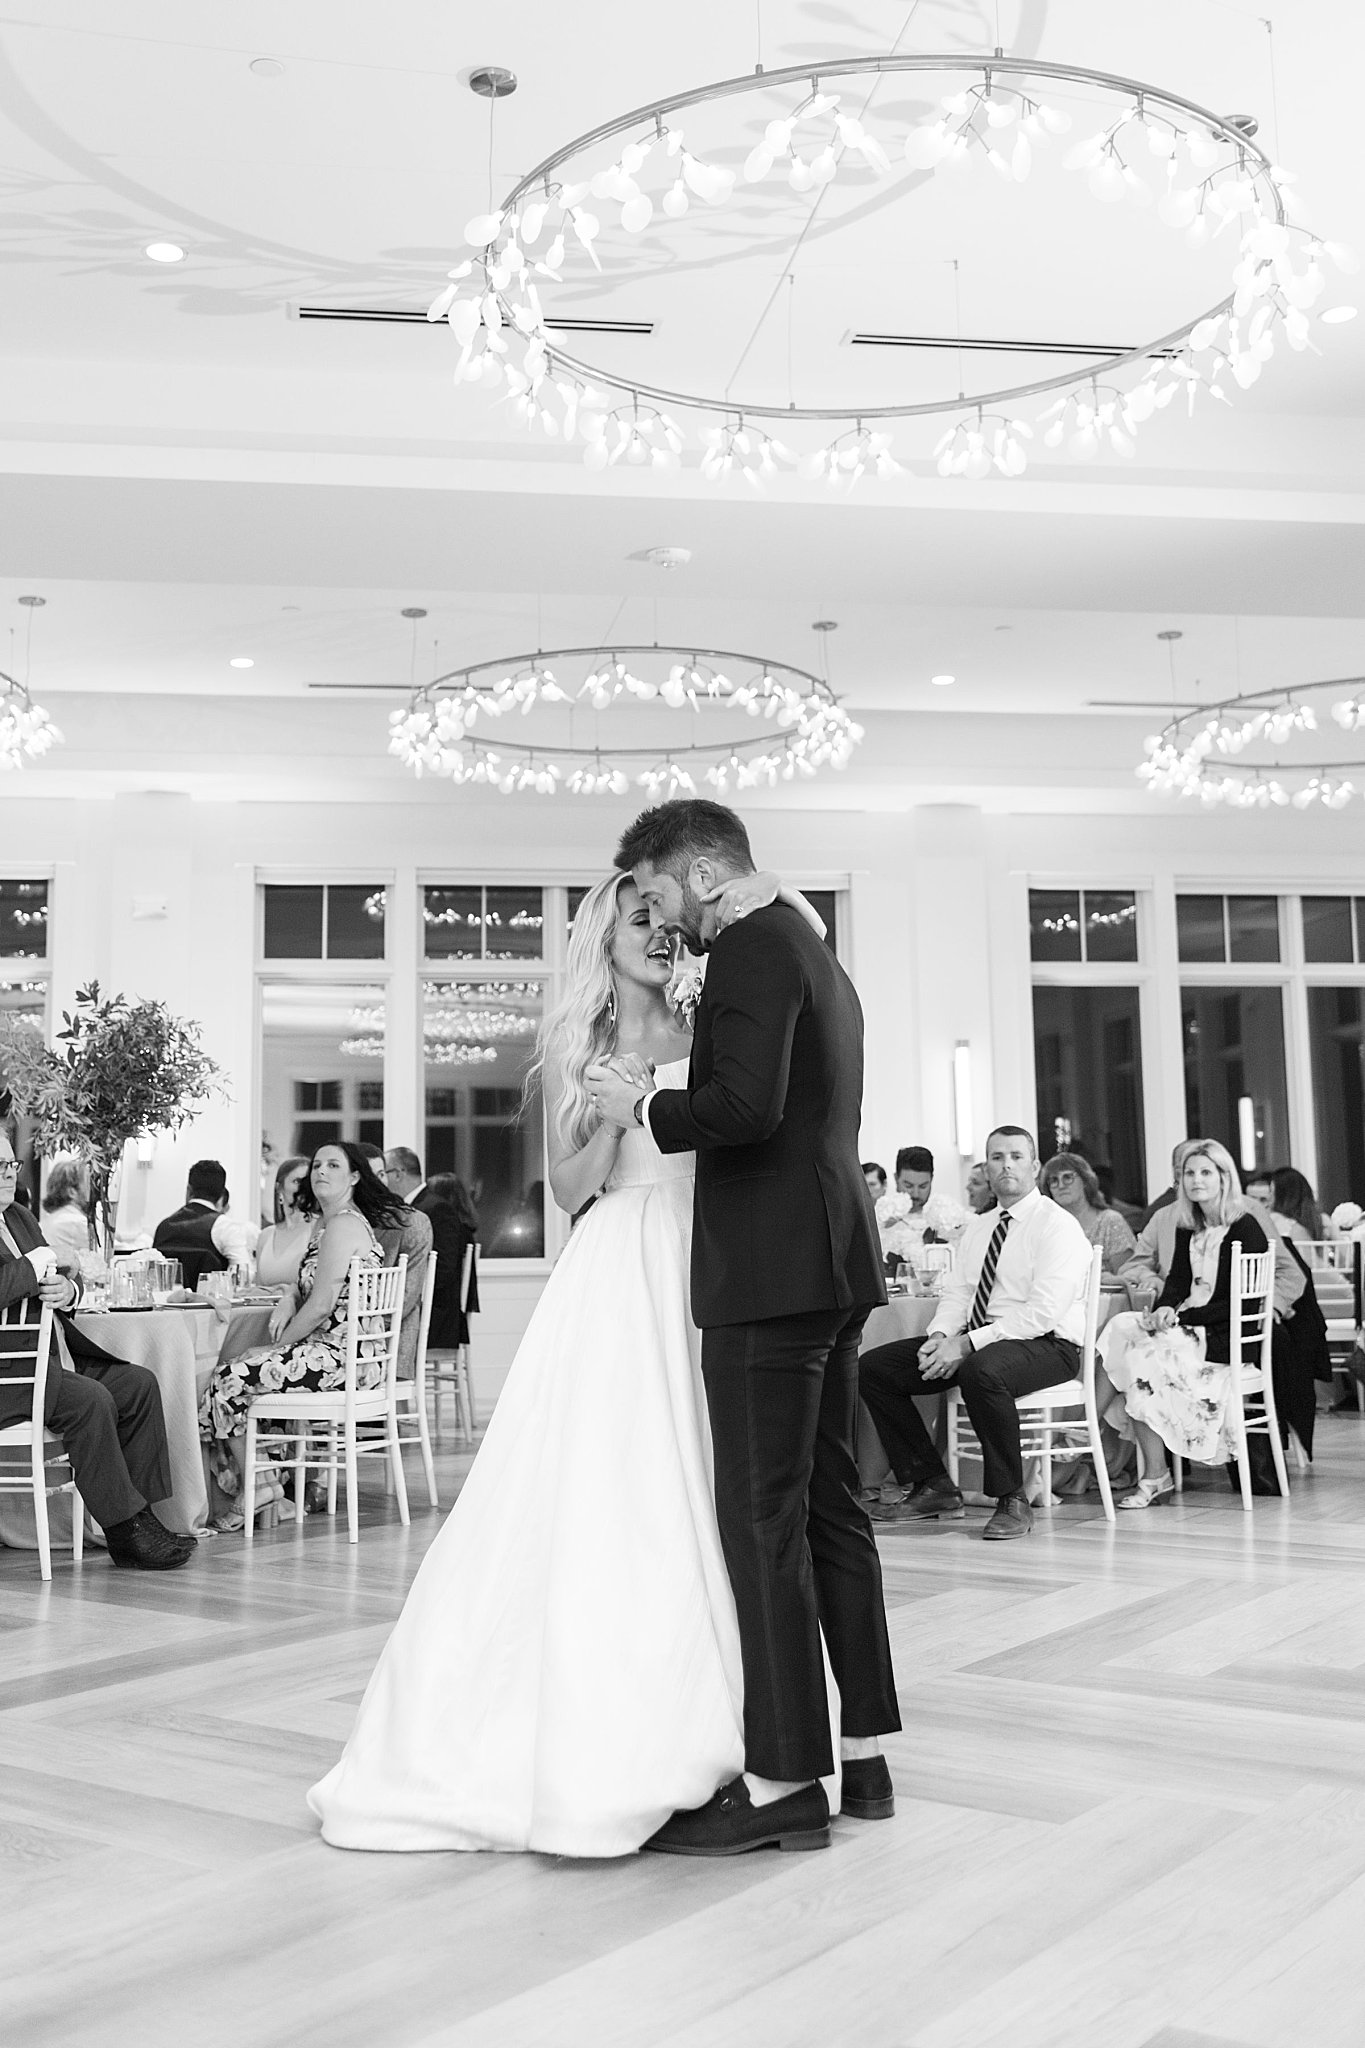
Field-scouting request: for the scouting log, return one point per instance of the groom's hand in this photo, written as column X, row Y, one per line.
column 614, row 1096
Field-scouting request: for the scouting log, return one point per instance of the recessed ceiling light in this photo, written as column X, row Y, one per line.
column 164, row 252
column 1334, row 315
column 942, row 681
column 266, row 67
column 241, row 661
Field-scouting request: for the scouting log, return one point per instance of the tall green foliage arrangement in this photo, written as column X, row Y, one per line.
column 117, row 1070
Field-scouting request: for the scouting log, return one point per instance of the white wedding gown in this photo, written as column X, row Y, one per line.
column 566, row 1671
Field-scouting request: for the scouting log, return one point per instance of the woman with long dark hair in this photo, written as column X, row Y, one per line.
column 449, row 1312
column 348, row 1205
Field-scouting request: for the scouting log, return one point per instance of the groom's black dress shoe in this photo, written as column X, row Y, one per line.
column 868, row 1791
column 144, row 1544
column 730, row 1823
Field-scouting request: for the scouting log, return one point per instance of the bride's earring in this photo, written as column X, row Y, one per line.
column 611, row 1008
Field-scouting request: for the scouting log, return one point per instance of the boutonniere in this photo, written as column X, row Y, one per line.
column 684, row 993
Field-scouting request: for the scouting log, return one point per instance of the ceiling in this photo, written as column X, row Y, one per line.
column 187, row 473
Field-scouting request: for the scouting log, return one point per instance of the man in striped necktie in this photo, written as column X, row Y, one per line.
column 1010, row 1320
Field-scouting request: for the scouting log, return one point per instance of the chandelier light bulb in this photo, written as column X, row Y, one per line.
column 164, row 252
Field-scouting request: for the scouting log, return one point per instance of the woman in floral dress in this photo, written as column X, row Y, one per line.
column 1165, row 1377
column 348, row 1204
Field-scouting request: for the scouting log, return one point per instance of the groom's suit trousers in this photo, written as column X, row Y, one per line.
column 783, row 1398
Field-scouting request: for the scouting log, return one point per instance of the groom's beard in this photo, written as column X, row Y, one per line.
column 689, row 922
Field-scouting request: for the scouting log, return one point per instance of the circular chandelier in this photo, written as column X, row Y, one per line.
column 799, row 724
column 1202, row 170
column 26, row 731
column 1186, row 757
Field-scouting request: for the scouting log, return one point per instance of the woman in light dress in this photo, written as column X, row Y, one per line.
column 1165, row 1377
column 566, row 1671
column 1070, row 1182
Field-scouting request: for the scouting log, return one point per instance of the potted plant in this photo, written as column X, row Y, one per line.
column 117, row 1070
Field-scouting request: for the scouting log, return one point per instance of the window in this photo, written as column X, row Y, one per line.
column 474, row 922
column 322, row 1052
column 1235, row 1085
column 1333, row 929
column 23, row 920
column 1240, row 929
column 1336, row 1038
column 478, row 1043
column 323, row 921
column 1088, row 1062
column 1082, row 924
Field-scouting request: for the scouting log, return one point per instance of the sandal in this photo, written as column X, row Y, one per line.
column 1148, row 1492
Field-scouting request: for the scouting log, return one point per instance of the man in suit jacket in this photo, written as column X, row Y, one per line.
column 449, row 1239
column 107, row 1412
column 785, row 1268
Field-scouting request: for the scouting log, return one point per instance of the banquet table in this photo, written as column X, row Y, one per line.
column 180, row 1347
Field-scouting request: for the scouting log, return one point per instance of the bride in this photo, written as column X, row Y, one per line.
column 566, row 1672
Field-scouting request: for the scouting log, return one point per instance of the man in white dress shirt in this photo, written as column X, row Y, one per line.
column 1009, row 1321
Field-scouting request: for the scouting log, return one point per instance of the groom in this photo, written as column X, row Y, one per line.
column 785, row 1267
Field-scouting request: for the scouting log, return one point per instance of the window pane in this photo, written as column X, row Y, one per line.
column 1327, row 928
column 452, row 922
column 27, row 999
column 1088, row 1057
column 1360, row 927
column 513, row 924
column 576, row 896
column 355, row 922
column 478, row 1040
column 23, row 920
column 1055, row 924
column 293, row 923
column 825, row 903
column 321, row 1044
column 1199, row 928
column 1253, row 928
column 1234, row 1072
column 1110, row 924
column 1336, row 1037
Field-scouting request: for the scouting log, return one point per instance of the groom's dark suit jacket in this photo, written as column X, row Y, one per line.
column 784, row 1221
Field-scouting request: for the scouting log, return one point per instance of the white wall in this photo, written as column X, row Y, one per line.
column 937, row 938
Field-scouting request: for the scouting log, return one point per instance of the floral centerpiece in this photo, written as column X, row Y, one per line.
column 118, row 1070
column 902, row 1226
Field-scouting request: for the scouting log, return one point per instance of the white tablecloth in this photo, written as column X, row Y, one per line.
column 179, row 1346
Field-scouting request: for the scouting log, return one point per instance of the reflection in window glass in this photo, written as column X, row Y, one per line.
column 824, row 902
column 1199, row 928
column 1055, row 924
column 1327, row 929
column 1235, row 1088
column 293, row 922
column 1110, row 924
column 355, row 922
column 513, row 924
column 452, row 923
column 1253, row 928
column 1088, row 1060
column 1336, row 1037
column 322, row 1044
column 478, row 1040
column 23, row 920
column 26, row 999
column 468, row 922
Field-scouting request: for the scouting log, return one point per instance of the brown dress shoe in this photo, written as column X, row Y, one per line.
column 1013, row 1517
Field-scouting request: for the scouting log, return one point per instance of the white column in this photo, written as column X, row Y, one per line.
column 404, row 1081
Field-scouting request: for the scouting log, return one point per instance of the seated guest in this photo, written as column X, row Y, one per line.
column 914, row 1215
column 1070, row 1181
column 1300, row 1354
column 202, row 1235
column 875, row 1176
column 1168, row 1195
column 411, row 1236
column 445, row 1204
column 1164, row 1380
column 66, row 1211
column 107, row 1412
column 282, row 1243
column 347, row 1205
column 979, row 1196
column 1010, row 1320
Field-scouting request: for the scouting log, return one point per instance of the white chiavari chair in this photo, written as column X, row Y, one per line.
column 1056, row 1424
column 1253, row 1325
column 374, row 1320
column 412, row 1394
column 25, row 1350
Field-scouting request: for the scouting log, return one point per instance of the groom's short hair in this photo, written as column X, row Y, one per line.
column 671, row 836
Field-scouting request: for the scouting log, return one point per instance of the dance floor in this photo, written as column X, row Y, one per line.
column 1131, row 1811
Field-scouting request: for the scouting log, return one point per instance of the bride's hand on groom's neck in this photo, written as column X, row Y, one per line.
column 741, row 895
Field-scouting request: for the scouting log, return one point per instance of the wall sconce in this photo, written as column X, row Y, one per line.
column 962, row 1096
column 1246, row 1133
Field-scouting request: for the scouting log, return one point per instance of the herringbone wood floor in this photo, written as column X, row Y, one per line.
column 1131, row 1811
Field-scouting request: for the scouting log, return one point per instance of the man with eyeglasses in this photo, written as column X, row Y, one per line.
column 107, row 1412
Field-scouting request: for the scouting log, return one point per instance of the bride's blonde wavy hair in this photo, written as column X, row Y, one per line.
column 581, row 1030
